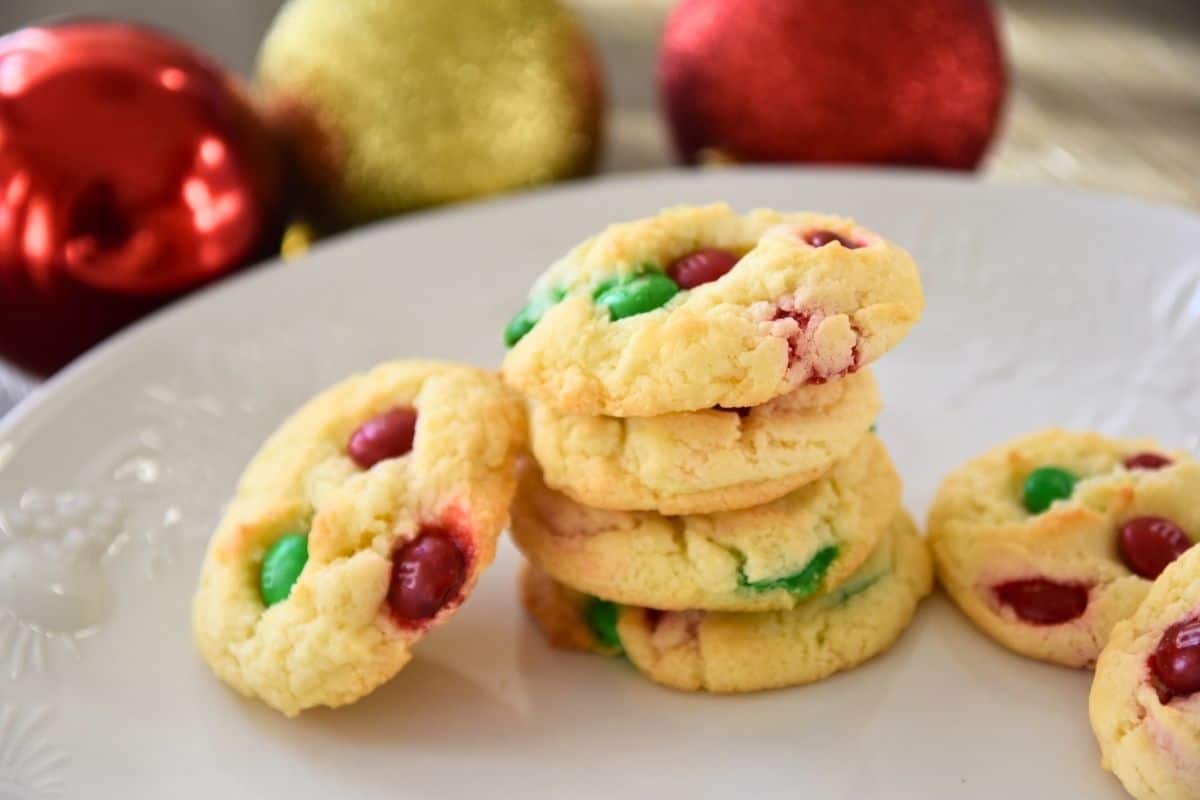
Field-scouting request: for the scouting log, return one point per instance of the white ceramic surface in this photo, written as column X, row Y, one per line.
column 1044, row 307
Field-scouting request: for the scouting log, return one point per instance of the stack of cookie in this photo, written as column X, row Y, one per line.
column 706, row 495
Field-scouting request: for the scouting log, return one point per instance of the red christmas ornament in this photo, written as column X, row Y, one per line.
column 913, row 82
column 131, row 169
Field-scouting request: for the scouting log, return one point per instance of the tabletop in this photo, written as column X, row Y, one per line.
column 1104, row 92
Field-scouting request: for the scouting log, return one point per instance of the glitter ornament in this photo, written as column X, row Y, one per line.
column 911, row 82
column 297, row 240
column 131, row 170
column 391, row 106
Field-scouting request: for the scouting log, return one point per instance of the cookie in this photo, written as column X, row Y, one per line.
column 771, row 556
column 730, row 652
column 1048, row 541
column 700, row 307
column 1145, row 700
column 695, row 462
column 363, row 522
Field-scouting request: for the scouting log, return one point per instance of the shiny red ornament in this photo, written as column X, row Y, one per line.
column 908, row 82
column 131, row 170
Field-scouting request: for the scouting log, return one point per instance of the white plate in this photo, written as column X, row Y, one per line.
column 1044, row 307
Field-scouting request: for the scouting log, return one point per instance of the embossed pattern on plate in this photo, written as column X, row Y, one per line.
column 1044, row 307
column 31, row 765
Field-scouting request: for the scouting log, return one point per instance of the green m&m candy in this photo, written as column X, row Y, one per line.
column 638, row 270
column 798, row 584
column 1045, row 485
column 602, row 616
column 281, row 566
column 530, row 315
column 636, row 295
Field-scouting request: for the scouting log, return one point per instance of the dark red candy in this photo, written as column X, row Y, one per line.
column 427, row 573
column 1149, row 544
column 822, row 238
column 1043, row 602
column 701, row 266
column 388, row 435
column 1147, row 461
column 1175, row 662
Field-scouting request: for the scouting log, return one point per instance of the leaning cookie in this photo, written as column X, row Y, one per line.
column 767, row 557
column 1145, row 700
column 1048, row 541
column 699, row 307
column 362, row 522
column 730, row 652
column 694, row 462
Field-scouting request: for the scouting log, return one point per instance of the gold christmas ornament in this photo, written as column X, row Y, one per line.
column 297, row 239
column 391, row 105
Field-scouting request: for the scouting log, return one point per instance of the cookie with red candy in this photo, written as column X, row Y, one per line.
column 1145, row 699
column 363, row 522
column 1048, row 541
column 700, row 307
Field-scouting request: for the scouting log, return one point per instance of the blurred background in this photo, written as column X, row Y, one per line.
column 371, row 108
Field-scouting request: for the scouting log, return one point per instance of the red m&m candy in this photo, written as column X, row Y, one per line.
column 1149, row 544
column 1175, row 661
column 1043, row 602
column 822, row 238
column 388, row 435
column 427, row 573
column 701, row 266
column 1147, row 461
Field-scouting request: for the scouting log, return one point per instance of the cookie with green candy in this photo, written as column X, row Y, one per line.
column 1046, row 542
column 700, row 307
column 771, row 556
column 715, row 651
column 363, row 522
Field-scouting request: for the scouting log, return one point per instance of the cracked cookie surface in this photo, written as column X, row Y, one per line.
column 744, row 652
column 766, row 557
column 626, row 325
column 1048, row 541
column 363, row 521
column 695, row 462
column 1145, row 699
